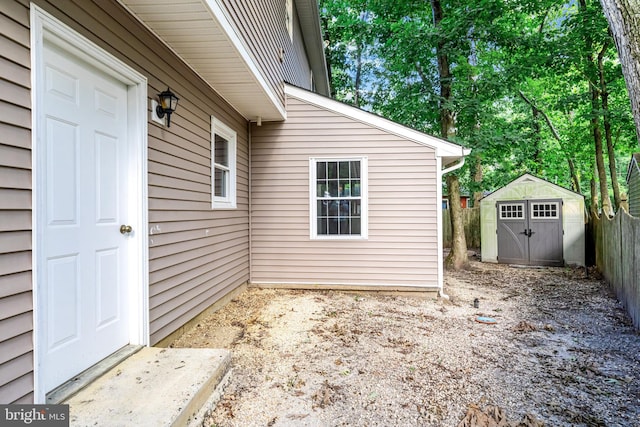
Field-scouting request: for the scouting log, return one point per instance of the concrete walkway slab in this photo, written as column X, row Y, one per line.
column 154, row 387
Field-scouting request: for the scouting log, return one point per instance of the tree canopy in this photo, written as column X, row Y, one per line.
column 533, row 85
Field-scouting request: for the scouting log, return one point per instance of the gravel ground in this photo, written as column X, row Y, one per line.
column 562, row 353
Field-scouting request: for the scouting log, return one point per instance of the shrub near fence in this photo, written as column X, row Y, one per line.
column 617, row 244
column 471, row 220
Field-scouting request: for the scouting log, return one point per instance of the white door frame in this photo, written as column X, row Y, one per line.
column 46, row 27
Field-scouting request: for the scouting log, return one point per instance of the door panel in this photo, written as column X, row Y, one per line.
column 530, row 232
column 545, row 221
column 82, row 250
column 513, row 247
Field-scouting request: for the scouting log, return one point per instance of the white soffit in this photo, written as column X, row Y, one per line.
column 200, row 33
column 449, row 151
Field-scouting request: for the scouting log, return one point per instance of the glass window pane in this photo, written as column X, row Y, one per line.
column 355, row 208
column 321, row 189
column 355, row 226
column 355, row 188
column 355, row 169
column 344, row 226
column 220, row 183
column 322, row 226
column 221, row 151
column 332, row 170
column 323, row 208
column 333, row 188
column 333, row 226
column 344, row 170
column 344, row 188
column 344, row 208
column 321, row 170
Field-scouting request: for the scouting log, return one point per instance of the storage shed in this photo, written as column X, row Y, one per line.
column 532, row 221
column 633, row 181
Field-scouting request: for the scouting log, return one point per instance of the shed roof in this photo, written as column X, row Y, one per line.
column 526, row 178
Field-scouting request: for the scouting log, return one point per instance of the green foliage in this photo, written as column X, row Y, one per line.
column 382, row 54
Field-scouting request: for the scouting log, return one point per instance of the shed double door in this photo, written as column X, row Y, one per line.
column 530, row 232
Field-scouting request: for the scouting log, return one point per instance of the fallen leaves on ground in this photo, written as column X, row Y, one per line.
column 563, row 353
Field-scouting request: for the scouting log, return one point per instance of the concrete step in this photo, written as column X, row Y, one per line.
column 154, row 387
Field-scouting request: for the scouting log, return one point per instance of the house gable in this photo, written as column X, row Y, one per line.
column 448, row 151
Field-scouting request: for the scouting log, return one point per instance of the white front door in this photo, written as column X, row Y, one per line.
column 83, row 256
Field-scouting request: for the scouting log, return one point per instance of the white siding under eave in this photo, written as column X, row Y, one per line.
column 402, row 246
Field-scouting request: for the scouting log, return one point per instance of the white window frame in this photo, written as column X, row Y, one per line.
column 533, row 210
column 521, row 211
column 228, row 202
column 364, row 199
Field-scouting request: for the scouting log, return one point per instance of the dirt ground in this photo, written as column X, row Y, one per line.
column 561, row 353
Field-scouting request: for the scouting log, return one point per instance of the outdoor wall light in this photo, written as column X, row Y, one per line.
column 167, row 105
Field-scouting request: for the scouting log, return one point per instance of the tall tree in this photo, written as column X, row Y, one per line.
column 457, row 258
column 623, row 20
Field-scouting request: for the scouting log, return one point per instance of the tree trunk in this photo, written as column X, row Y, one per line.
column 593, row 190
column 358, row 78
column 606, row 121
column 597, row 138
column 575, row 180
column 591, row 71
column 457, row 258
column 477, row 178
column 623, row 18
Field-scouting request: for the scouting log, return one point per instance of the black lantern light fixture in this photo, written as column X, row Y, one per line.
column 167, row 105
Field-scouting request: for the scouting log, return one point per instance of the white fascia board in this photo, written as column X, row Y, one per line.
column 219, row 15
column 443, row 148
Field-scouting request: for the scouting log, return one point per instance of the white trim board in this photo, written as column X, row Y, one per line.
column 46, row 27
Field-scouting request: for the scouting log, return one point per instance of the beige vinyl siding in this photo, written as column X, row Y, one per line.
column 16, row 299
column 634, row 187
column 402, row 245
column 262, row 26
column 297, row 70
column 197, row 255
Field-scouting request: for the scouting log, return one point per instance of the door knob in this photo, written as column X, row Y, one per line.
column 125, row 229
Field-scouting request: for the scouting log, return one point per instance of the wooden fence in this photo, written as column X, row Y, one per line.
column 471, row 219
column 617, row 253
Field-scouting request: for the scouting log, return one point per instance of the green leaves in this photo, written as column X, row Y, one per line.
column 382, row 54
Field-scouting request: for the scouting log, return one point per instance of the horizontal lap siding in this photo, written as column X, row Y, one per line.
column 402, row 244
column 16, row 298
column 261, row 25
column 196, row 254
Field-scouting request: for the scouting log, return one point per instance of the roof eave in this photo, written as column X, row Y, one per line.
column 309, row 16
column 206, row 24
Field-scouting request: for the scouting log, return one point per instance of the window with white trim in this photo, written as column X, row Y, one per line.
column 338, row 201
column 512, row 211
column 223, row 165
column 544, row 210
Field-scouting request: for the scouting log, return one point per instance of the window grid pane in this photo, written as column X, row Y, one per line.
column 514, row 211
column 544, row 210
column 338, row 198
